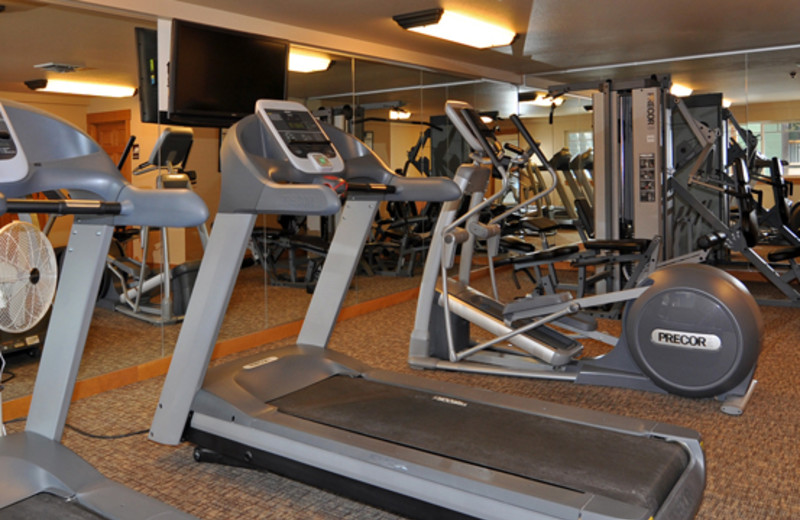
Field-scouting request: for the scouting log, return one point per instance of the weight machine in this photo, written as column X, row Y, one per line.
column 639, row 148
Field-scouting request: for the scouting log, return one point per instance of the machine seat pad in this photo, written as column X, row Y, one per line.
column 636, row 470
column 517, row 244
column 548, row 255
column 311, row 244
column 269, row 233
column 631, row 245
column 540, row 224
column 783, row 254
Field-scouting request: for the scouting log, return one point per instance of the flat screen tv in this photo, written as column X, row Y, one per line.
column 217, row 75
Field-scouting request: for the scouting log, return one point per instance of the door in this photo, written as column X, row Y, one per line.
column 111, row 130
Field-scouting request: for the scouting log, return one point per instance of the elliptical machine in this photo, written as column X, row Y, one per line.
column 688, row 329
column 132, row 284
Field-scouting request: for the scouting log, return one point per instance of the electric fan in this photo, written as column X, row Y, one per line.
column 28, row 276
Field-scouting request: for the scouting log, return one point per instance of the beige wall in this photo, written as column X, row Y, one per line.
column 554, row 137
column 774, row 112
column 381, row 139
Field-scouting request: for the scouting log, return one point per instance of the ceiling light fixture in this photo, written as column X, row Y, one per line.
column 301, row 60
column 81, row 88
column 456, row 27
column 679, row 90
column 540, row 99
column 398, row 114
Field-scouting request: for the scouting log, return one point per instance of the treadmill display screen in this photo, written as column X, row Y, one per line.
column 300, row 132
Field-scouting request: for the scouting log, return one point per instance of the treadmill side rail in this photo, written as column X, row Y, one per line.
column 49, row 467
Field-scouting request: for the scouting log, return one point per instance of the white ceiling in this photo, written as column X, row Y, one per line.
column 742, row 48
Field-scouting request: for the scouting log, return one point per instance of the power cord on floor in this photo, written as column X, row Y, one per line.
column 105, row 437
column 90, row 434
column 8, row 375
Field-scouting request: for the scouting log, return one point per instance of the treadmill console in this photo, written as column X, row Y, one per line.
column 13, row 165
column 300, row 136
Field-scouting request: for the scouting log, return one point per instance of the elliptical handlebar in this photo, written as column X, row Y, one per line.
column 468, row 124
column 533, row 148
column 476, row 126
column 532, row 145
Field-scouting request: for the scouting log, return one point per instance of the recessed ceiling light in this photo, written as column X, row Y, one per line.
column 399, row 114
column 679, row 90
column 82, row 88
column 301, row 60
column 60, row 68
column 540, row 99
column 456, row 27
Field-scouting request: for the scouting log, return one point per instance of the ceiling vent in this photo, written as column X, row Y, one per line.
column 57, row 67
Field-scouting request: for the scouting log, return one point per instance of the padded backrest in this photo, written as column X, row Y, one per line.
column 747, row 206
column 585, row 215
column 779, row 189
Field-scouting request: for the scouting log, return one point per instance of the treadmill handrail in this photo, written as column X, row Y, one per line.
column 363, row 165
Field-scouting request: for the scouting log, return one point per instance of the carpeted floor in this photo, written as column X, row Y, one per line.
column 752, row 460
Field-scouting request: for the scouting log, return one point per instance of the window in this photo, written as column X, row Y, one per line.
column 777, row 140
column 579, row 142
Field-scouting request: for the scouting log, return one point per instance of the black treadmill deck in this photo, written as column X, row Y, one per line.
column 636, row 470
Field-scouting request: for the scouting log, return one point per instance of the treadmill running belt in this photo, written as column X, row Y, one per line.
column 46, row 506
column 635, row 470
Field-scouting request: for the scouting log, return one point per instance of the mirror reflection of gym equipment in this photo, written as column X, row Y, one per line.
column 676, row 181
column 131, row 284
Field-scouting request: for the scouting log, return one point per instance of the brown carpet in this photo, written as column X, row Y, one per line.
column 752, row 460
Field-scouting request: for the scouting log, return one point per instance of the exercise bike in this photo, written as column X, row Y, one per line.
column 688, row 329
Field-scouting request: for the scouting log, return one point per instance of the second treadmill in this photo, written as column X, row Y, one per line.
column 415, row 446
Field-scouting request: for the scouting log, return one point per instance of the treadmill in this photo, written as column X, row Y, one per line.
column 410, row 445
column 39, row 477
